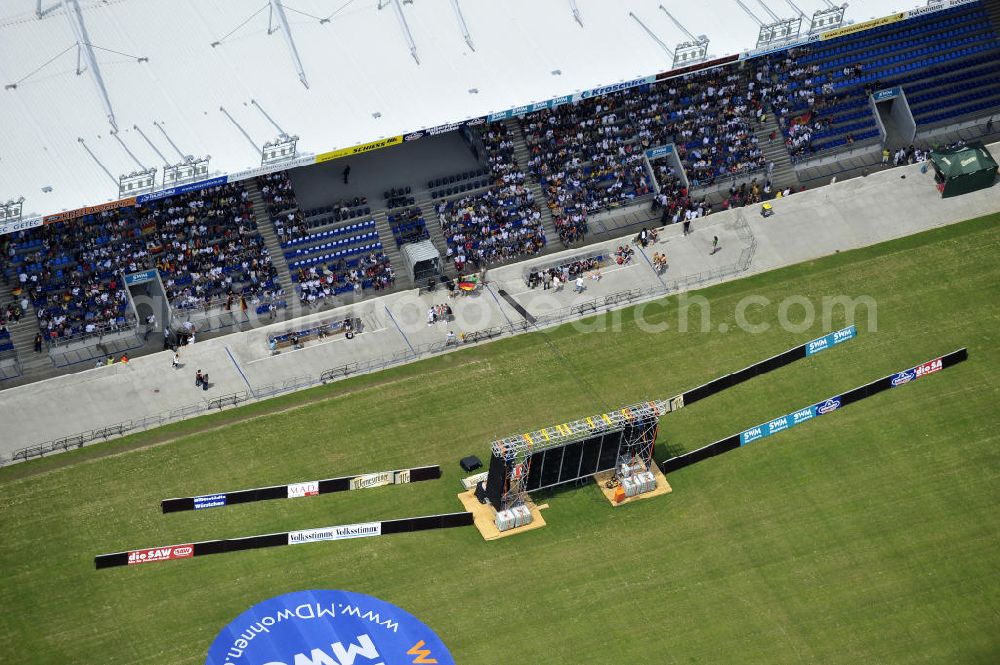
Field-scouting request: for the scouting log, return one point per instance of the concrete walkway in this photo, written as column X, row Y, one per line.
column 848, row 215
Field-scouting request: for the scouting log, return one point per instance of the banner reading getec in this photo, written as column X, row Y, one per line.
column 325, row 626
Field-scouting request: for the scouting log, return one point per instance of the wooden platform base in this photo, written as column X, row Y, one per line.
column 483, row 516
column 662, row 487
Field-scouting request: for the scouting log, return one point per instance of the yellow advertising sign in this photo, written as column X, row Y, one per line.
column 358, row 149
column 861, row 27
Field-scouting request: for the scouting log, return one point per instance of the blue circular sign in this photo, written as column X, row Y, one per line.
column 323, row 627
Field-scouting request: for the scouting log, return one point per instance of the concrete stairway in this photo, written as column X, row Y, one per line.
column 783, row 175
column 266, row 229
column 427, row 209
column 389, row 248
column 22, row 334
column 522, row 155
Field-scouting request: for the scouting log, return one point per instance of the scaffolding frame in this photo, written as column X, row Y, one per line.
column 642, row 419
column 636, row 449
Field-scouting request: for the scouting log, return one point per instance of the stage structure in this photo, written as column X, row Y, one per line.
column 622, row 440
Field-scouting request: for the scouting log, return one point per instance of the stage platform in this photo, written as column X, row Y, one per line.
column 483, row 515
column 662, row 487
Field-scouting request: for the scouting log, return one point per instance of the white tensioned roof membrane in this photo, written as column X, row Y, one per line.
column 357, row 65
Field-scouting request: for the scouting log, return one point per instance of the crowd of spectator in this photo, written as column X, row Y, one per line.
column 500, row 223
column 588, row 155
column 278, row 193
column 203, row 243
column 904, row 156
column 408, row 226
column 207, row 246
column 586, row 159
column 575, row 268
column 370, row 271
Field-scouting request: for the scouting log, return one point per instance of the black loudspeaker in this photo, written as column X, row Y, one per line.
column 481, row 492
column 471, row 463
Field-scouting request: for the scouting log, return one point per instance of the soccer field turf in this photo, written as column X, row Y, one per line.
column 866, row 536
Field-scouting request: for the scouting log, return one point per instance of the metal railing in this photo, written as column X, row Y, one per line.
column 104, row 330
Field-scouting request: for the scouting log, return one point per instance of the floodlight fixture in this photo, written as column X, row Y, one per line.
column 780, row 31
column 282, row 149
column 142, row 181
column 11, row 210
column 189, row 170
column 827, row 19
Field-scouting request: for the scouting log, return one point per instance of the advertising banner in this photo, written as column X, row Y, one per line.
column 308, row 488
column 936, row 7
column 182, row 189
column 329, row 627
column 883, row 95
column 696, row 67
column 210, row 501
column 827, row 406
column 140, row 277
column 246, row 174
column 343, row 532
column 20, row 225
column 834, row 338
column 615, row 87
column 155, row 554
column 753, row 434
column 359, row 149
column 791, row 420
column 89, row 210
column 372, row 480
column 660, row 151
column 861, row 27
column 802, row 415
column 904, row 377
column 928, row 367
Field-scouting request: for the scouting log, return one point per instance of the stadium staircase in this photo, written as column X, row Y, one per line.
column 783, row 175
column 390, row 249
column 22, row 335
column 266, row 229
column 523, row 156
column 426, row 204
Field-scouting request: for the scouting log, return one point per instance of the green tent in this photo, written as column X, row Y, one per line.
column 963, row 170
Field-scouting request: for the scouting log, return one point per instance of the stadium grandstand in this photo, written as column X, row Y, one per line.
column 299, row 258
column 505, row 179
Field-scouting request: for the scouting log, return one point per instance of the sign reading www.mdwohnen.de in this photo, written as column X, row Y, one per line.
column 325, row 627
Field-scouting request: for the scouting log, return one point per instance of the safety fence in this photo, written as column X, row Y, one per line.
column 10, row 365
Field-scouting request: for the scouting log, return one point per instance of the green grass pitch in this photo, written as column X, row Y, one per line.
column 869, row 536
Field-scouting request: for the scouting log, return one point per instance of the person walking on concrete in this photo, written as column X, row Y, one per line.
column 579, row 284
column 715, row 245
column 38, row 342
column 176, row 362
column 885, row 156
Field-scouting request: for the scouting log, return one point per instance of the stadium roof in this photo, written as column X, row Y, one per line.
column 165, row 70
